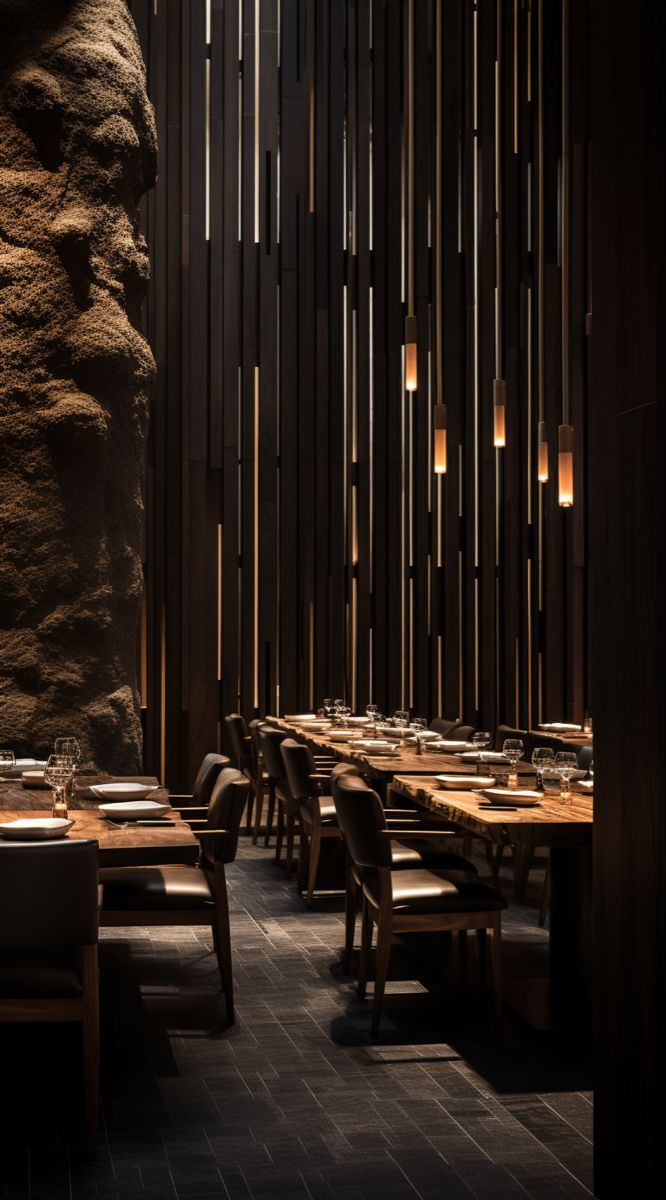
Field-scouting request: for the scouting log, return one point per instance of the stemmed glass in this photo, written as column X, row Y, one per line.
column 328, row 706
column 372, row 711
column 419, row 725
column 57, row 772
column 513, row 749
column 401, row 718
column 481, row 741
column 566, row 764
column 345, row 713
column 542, row 757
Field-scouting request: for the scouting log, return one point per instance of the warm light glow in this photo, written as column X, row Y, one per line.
column 565, row 466
column 542, row 453
column 410, row 354
column 499, row 411
column 439, row 439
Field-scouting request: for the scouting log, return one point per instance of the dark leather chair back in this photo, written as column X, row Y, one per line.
column 442, row 727
column 298, row 766
column 585, row 757
column 361, row 818
column 506, row 731
column 237, row 731
column 254, row 729
column 270, row 740
column 462, row 733
column 225, row 811
column 48, row 895
column 207, row 774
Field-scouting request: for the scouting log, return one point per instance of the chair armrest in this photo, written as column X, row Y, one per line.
column 189, row 808
column 100, row 895
column 181, row 796
column 211, row 833
column 319, row 777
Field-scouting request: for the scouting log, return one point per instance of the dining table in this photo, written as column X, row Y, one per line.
column 564, row 826
column 120, row 844
column 381, row 769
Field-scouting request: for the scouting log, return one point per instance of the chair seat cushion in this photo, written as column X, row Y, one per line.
column 40, row 974
column 415, row 853
column 130, row 889
column 420, row 891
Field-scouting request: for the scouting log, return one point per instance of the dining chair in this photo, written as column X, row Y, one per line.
column 506, row 731
column 309, row 790
column 240, row 745
column 462, row 733
column 443, row 727
column 260, row 783
column 280, row 797
column 204, row 781
column 411, row 900
column 184, row 895
column 49, row 899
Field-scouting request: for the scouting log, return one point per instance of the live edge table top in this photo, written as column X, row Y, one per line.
column 129, row 845
column 552, row 822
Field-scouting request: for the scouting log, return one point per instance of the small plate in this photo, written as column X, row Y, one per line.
column 134, row 810
column 375, row 751
column 484, row 756
column 521, row 797
column 298, row 718
column 465, row 783
column 35, row 829
column 19, row 766
column 344, row 735
column 358, row 720
column 123, row 791
column 560, row 727
column 34, row 779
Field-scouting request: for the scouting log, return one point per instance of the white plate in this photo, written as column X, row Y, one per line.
column 19, row 766
column 344, row 735
column 123, row 791
column 298, row 717
column 379, row 751
column 35, row 829
column 377, row 744
column 134, row 810
column 481, row 756
column 560, row 727
column 465, row 783
column 521, row 797
column 358, row 720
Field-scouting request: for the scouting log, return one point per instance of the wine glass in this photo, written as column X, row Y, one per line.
column 513, row 749
column 481, row 741
column 419, row 725
column 542, row 757
column 372, row 711
column 566, row 764
column 7, row 760
column 401, row 718
column 57, row 772
column 328, row 706
column 345, row 713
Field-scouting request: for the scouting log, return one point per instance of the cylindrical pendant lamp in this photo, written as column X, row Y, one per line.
column 499, row 412
column 565, row 466
column 439, row 439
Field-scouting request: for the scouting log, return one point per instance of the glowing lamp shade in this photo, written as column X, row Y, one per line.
column 542, row 453
column 439, row 439
column 499, row 412
column 565, row 471
column 410, row 354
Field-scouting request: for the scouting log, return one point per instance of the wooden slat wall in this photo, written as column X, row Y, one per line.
column 298, row 543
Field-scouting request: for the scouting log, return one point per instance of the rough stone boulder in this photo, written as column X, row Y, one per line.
column 77, row 151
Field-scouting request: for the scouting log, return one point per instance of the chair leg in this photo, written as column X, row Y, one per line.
column 258, row 813
column 495, row 940
column 366, row 947
column 522, row 861
column 313, row 860
column 222, row 939
column 303, row 857
column 250, row 809
column 279, row 835
column 290, row 826
column 351, row 907
column 269, row 818
column 90, row 1031
column 382, row 957
column 545, row 896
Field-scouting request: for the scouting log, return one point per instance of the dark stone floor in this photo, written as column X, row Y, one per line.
column 296, row 1101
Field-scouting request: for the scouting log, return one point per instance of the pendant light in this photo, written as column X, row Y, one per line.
column 542, row 453
column 499, row 413
column 565, row 465
column 542, row 429
column 499, row 384
column 439, row 440
column 411, row 346
column 565, row 471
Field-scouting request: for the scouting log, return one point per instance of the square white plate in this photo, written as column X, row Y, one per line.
column 35, row 829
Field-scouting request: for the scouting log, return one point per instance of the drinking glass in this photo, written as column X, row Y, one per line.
column 401, row 718
column 481, row 741
column 542, row 757
column 550, row 781
column 57, row 772
column 371, row 711
column 345, row 714
column 419, row 724
column 328, row 706
column 513, row 749
column 7, row 760
column 567, row 765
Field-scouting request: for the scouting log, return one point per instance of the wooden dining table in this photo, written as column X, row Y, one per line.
column 382, row 768
column 563, row 1000
column 129, row 844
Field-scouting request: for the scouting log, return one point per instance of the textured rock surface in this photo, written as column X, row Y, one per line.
column 77, row 150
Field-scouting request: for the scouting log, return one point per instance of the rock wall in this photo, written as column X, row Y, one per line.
column 77, row 150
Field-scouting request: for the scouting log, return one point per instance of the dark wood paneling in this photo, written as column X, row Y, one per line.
column 290, row 474
column 627, row 374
